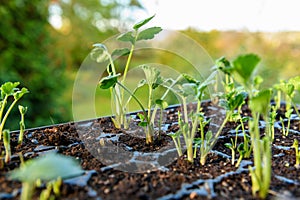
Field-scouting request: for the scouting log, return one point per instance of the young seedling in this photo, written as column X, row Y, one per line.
column 242, row 153
column 6, row 141
column 117, row 92
column 297, row 158
column 45, row 168
column 259, row 102
column 233, row 145
column 152, row 80
column 285, row 131
column 9, row 89
column 22, row 110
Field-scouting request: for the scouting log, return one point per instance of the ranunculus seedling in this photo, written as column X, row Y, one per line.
column 9, row 89
column 45, row 168
column 100, row 54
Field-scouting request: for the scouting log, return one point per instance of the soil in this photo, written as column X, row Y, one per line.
column 119, row 164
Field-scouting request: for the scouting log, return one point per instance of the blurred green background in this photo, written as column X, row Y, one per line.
column 45, row 58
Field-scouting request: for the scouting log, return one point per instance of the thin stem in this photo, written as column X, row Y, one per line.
column 6, row 115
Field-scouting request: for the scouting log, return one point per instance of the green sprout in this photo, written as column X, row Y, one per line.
column 152, row 80
column 9, row 89
column 287, row 114
column 22, row 110
column 6, row 141
column 296, row 147
column 259, row 102
column 45, row 168
column 102, row 54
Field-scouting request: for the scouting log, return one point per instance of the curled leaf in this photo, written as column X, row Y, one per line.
column 109, row 81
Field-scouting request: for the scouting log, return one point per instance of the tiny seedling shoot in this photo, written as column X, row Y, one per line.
column 117, row 92
column 46, row 168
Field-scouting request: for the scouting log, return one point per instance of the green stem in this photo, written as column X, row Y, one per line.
column 6, row 115
column 27, row 190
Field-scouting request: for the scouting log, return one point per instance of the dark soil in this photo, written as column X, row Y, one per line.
column 120, row 165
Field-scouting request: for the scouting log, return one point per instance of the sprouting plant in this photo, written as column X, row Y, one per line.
column 22, row 110
column 259, row 102
column 296, row 147
column 9, row 89
column 188, row 123
column 287, row 114
column 233, row 145
column 152, row 80
column 288, row 88
column 261, row 174
column 6, row 141
column 52, row 186
column 100, row 53
column 45, row 168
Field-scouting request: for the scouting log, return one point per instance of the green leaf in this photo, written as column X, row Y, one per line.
column 244, row 66
column 228, row 145
column 99, row 53
column 142, row 23
column 189, row 78
column 224, row 65
column 109, row 81
column 9, row 88
column 162, row 104
column 120, row 52
column 143, row 124
column 127, row 37
column 22, row 109
column 148, row 33
column 261, row 101
column 48, row 167
column 19, row 94
column 152, row 76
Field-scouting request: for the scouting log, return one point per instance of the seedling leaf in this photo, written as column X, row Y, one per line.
column 120, row 52
column 47, row 168
column 260, row 102
column 142, row 23
column 243, row 67
column 148, row 33
column 109, row 81
column 127, row 37
column 162, row 104
column 9, row 88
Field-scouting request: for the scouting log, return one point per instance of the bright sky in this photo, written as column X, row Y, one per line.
column 252, row 15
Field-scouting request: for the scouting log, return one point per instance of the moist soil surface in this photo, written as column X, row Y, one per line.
column 119, row 164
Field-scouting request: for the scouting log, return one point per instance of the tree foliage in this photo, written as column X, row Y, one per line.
column 26, row 55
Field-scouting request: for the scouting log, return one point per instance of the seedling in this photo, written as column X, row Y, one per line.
column 117, row 92
column 9, row 89
column 6, row 141
column 22, row 110
column 45, row 168
column 297, row 158
column 285, row 131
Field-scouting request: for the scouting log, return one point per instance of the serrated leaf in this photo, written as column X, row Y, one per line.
column 9, row 88
column 148, row 33
column 126, row 37
column 120, row 52
column 142, row 23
